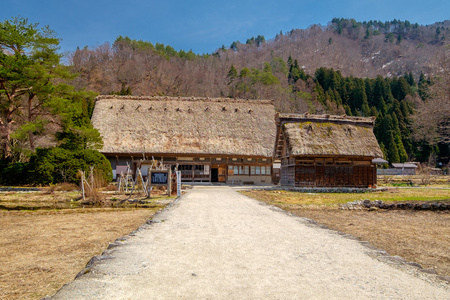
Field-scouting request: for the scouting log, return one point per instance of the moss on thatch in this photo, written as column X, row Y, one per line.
column 185, row 125
column 325, row 135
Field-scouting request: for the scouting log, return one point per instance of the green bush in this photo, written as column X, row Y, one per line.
column 55, row 165
column 96, row 159
column 11, row 174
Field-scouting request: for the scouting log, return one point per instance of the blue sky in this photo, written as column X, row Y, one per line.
column 201, row 25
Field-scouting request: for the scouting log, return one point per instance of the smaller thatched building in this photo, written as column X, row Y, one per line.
column 326, row 151
column 210, row 140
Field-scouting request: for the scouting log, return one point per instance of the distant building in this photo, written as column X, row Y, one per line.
column 379, row 161
column 326, row 151
column 404, row 168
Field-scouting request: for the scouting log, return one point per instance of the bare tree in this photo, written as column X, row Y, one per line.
column 432, row 118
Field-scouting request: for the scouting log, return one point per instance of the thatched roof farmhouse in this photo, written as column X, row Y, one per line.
column 236, row 141
column 325, row 150
column 223, row 136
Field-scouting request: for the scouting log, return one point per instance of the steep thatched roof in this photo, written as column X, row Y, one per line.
column 185, row 125
column 325, row 135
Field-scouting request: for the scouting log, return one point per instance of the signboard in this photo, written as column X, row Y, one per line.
column 159, row 177
column 178, row 183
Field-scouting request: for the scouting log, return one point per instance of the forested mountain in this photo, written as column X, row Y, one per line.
column 374, row 68
column 396, row 71
column 355, row 49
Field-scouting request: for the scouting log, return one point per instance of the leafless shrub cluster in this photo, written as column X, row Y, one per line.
column 62, row 187
column 91, row 187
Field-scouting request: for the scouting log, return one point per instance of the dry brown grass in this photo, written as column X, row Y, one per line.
column 47, row 199
column 333, row 199
column 44, row 248
column 419, row 236
column 419, row 180
column 62, row 187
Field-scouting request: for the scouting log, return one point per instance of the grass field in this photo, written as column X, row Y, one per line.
column 48, row 237
column 418, row 236
column 283, row 197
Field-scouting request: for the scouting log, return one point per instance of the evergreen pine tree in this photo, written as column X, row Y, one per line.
column 290, row 61
column 382, row 108
column 319, row 94
column 330, row 96
column 378, row 90
column 385, row 129
column 294, row 73
column 389, row 98
column 422, row 87
column 369, row 91
column 403, row 156
column 384, row 150
column 337, row 98
column 348, row 111
column 333, row 80
column 392, row 150
column 410, row 79
column 403, row 89
column 365, row 109
column 373, row 111
column 320, row 76
column 232, row 74
column 345, row 94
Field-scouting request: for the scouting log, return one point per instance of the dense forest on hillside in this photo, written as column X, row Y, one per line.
column 395, row 71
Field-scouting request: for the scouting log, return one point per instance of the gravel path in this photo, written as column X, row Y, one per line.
column 218, row 244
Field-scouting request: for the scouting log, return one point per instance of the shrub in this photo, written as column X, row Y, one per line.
column 15, row 173
column 56, row 165
column 94, row 158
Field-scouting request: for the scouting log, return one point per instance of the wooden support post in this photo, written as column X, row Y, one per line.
column 82, row 185
column 127, row 176
column 144, row 185
column 134, row 185
column 91, row 175
column 120, row 182
column 150, row 188
column 169, row 182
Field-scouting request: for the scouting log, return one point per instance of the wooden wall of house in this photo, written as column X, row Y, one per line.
column 233, row 170
column 329, row 172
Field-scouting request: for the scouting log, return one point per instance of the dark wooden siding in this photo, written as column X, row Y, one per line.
column 327, row 173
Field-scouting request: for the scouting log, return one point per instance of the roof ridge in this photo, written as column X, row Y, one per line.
column 169, row 98
column 325, row 117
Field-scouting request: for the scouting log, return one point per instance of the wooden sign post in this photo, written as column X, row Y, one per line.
column 178, row 183
column 161, row 178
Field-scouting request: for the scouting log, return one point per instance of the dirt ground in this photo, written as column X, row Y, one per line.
column 217, row 244
column 418, row 236
column 42, row 250
column 47, row 238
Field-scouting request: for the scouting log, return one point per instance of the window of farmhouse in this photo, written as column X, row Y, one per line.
column 250, row 170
